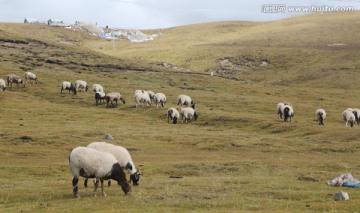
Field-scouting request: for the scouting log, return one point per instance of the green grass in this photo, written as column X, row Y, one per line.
column 237, row 157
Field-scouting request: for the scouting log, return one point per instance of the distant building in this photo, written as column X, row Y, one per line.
column 30, row 20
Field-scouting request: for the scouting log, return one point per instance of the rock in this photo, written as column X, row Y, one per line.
column 340, row 196
column 108, row 137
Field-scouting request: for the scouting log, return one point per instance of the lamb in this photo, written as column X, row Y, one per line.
column 320, row 116
column 188, row 114
column 114, row 96
column 349, row 117
column 356, row 112
column 14, row 79
column 287, row 112
column 29, row 76
column 100, row 96
column 122, row 156
column 66, row 85
column 142, row 98
column 97, row 88
column 173, row 114
column 91, row 163
column 81, row 84
column 2, row 85
column 160, row 99
column 185, row 100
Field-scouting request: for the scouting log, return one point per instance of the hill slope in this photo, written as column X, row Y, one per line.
column 238, row 156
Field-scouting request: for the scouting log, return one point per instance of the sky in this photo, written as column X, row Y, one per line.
column 158, row 14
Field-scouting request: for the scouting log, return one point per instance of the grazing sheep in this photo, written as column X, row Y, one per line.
column 142, row 98
column 151, row 94
column 287, row 112
column 160, row 99
column 173, row 114
column 185, row 100
column 100, row 96
column 122, row 156
column 278, row 109
column 29, row 76
column 97, row 88
column 2, row 85
column 188, row 114
column 66, row 85
column 349, row 117
column 91, row 163
column 81, row 84
column 114, row 96
column 320, row 116
column 14, row 79
column 356, row 112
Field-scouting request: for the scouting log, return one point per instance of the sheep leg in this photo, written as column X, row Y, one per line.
column 75, row 187
column 102, row 187
column 85, row 182
column 96, row 185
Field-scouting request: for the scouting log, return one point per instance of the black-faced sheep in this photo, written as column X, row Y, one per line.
column 66, row 85
column 114, row 97
column 187, row 114
column 91, row 163
column 185, row 100
column 100, row 96
column 287, row 112
column 320, row 115
column 122, row 156
column 14, row 79
column 349, row 117
column 279, row 106
column 81, row 84
column 2, row 85
column 356, row 112
column 173, row 114
column 29, row 76
column 160, row 99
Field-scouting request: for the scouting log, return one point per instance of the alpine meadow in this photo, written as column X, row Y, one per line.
column 238, row 156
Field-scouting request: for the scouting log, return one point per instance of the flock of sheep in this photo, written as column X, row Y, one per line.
column 141, row 97
column 350, row 116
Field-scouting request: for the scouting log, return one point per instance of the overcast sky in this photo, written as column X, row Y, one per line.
column 154, row 14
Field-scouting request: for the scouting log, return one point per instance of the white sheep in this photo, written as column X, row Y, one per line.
column 278, row 109
column 81, row 84
column 173, row 114
column 160, row 99
column 188, row 114
column 100, row 96
column 349, row 117
column 356, row 112
column 185, row 100
column 142, row 98
column 66, row 85
column 287, row 112
column 320, row 115
column 114, row 96
column 122, row 156
column 29, row 76
column 97, row 88
column 91, row 163
column 2, row 85
column 11, row 78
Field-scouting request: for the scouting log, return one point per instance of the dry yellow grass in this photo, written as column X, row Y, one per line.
column 238, row 157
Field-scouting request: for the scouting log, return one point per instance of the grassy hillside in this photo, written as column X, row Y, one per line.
column 237, row 157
